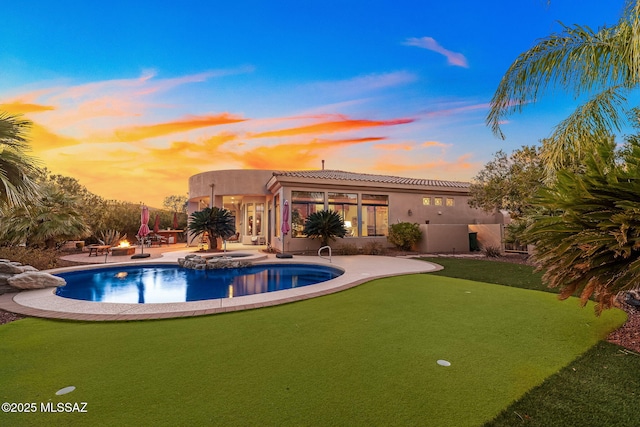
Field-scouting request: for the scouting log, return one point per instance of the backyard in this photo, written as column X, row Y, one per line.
column 365, row 356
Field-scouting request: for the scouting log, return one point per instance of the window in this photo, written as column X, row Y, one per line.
column 437, row 201
column 346, row 204
column 303, row 204
column 450, row 201
column 375, row 215
column 426, row 201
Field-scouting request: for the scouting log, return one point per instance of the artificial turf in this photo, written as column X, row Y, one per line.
column 366, row 356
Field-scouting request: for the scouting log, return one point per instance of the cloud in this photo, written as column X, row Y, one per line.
column 394, row 147
column 364, row 84
column 429, row 43
column 300, row 155
column 459, row 169
column 138, row 133
column 18, row 107
column 331, row 126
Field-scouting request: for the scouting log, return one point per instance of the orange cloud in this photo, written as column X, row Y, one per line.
column 138, row 133
column 42, row 139
column 434, row 144
column 294, row 155
column 18, row 107
column 458, row 170
column 331, row 127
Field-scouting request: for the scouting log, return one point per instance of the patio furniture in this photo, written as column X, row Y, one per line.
column 234, row 238
column 98, row 249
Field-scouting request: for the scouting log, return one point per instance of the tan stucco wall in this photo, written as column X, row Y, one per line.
column 229, row 182
column 444, row 238
column 488, row 235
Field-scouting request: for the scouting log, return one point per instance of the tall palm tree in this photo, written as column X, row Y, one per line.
column 214, row 221
column 325, row 226
column 602, row 65
column 16, row 167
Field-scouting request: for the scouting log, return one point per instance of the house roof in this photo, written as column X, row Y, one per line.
column 352, row 176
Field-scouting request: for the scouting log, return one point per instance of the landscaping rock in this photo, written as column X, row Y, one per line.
column 4, row 277
column 10, row 268
column 35, row 280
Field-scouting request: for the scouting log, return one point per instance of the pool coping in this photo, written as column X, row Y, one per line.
column 357, row 269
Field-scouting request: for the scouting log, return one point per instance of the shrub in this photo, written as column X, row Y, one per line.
column 347, row 249
column 404, row 235
column 492, row 252
column 42, row 259
column 374, row 248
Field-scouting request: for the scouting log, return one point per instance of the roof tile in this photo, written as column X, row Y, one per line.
column 352, row 176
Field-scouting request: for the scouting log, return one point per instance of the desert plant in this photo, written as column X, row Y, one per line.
column 214, row 221
column 325, row 226
column 374, row 248
column 348, row 249
column 404, row 235
column 111, row 237
column 492, row 252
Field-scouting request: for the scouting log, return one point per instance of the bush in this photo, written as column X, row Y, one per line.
column 492, row 252
column 374, row 248
column 347, row 249
column 404, row 235
column 42, row 259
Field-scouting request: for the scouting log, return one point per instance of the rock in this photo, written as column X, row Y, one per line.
column 10, row 268
column 4, row 277
column 35, row 280
column 25, row 268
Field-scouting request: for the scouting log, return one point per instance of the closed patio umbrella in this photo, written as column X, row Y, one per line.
column 156, row 225
column 175, row 220
column 284, row 228
column 143, row 231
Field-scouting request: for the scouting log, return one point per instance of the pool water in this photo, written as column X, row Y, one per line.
column 172, row 283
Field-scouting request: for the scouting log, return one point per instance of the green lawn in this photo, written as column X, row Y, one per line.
column 366, row 356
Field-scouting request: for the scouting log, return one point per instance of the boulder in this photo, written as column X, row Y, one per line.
column 35, row 280
column 10, row 268
column 4, row 277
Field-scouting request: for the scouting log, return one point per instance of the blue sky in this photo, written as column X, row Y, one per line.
column 134, row 97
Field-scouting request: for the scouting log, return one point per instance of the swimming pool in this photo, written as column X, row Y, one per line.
column 164, row 283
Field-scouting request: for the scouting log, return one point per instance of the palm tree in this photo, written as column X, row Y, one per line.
column 325, row 226
column 588, row 238
column 214, row 221
column 52, row 219
column 602, row 65
column 16, row 168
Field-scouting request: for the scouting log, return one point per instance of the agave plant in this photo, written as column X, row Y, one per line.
column 214, row 221
column 111, row 237
column 325, row 226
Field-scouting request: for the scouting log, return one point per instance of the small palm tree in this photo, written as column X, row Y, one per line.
column 214, row 221
column 325, row 226
column 587, row 235
column 52, row 219
column 16, row 167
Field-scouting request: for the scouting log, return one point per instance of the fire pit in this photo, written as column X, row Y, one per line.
column 124, row 248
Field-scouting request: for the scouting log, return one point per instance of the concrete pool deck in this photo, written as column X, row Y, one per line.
column 358, row 269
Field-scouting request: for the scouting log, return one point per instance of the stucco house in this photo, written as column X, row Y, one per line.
column 368, row 203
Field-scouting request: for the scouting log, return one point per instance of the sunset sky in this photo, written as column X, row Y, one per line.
column 133, row 97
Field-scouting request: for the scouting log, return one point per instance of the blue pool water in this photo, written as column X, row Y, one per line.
column 172, row 283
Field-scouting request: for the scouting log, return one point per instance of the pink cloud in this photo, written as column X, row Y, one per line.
column 429, row 43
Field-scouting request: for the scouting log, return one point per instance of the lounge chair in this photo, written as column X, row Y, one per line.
column 234, row 238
